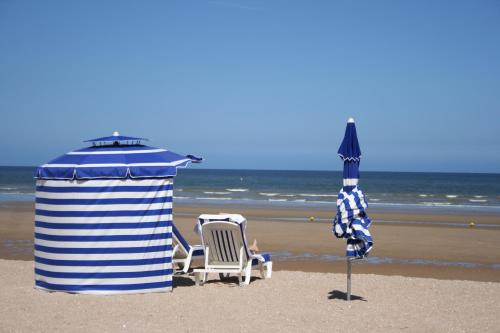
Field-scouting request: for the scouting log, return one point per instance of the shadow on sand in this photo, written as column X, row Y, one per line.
column 337, row 294
column 184, row 281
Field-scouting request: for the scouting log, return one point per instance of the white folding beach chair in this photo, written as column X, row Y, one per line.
column 184, row 253
column 226, row 249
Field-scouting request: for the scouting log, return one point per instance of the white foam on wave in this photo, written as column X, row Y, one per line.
column 299, row 200
column 423, row 195
column 277, row 200
column 451, row 196
column 373, row 199
column 480, row 196
column 436, row 203
column 212, row 198
column 318, row 195
column 478, row 200
column 289, row 195
column 269, row 194
column 8, row 188
column 237, row 189
column 220, row 193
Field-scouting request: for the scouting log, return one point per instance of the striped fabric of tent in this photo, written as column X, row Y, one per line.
column 351, row 221
column 103, row 221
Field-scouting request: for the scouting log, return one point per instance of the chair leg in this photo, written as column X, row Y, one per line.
column 240, row 279
column 248, row 272
column 269, row 269
column 261, row 269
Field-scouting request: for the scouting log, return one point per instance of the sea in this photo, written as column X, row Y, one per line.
column 416, row 191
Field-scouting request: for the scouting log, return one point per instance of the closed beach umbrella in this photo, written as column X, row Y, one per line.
column 351, row 221
column 103, row 218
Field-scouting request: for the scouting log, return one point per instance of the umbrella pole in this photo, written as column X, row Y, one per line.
column 349, row 269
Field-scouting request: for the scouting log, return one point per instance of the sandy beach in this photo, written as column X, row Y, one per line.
column 429, row 277
column 290, row 301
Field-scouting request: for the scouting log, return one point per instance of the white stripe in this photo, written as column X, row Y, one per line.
column 113, row 281
column 105, row 165
column 92, row 245
column 350, row 181
column 102, row 269
column 101, row 232
column 107, row 256
column 104, row 195
column 110, row 219
column 112, row 152
column 95, row 208
column 107, row 183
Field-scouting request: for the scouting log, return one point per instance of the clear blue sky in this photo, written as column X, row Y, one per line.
column 256, row 84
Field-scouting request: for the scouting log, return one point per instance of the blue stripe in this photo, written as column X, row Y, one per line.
column 114, row 238
column 110, row 275
column 85, row 226
column 100, row 189
column 116, row 262
column 104, row 213
column 103, row 287
column 180, row 238
column 116, row 201
column 106, row 250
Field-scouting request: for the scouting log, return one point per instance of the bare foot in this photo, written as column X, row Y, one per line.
column 254, row 247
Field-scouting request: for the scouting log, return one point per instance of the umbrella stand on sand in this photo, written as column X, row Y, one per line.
column 351, row 221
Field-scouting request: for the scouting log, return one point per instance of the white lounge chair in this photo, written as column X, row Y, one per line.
column 183, row 253
column 226, row 249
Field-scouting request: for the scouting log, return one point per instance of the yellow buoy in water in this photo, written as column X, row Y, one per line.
column 311, row 219
column 472, row 225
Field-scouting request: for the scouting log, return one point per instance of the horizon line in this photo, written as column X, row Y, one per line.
column 302, row 170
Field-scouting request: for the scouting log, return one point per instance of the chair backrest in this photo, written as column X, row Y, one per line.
column 179, row 243
column 225, row 243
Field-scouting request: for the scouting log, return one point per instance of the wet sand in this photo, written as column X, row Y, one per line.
column 302, row 245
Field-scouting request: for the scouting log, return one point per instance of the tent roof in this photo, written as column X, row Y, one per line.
column 115, row 161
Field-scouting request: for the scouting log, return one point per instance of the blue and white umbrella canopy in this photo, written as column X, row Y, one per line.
column 103, row 218
column 351, row 221
column 115, row 157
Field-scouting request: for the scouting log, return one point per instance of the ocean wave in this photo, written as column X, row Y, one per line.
column 423, row 195
column 8, row 188
column 212, row 198
column 478, row 200
column 480, row 196
column 268, row 194
column 299, row 200
column 318, row 195
column 277, row 200
column 237, row 189
column 373, row 199
column 436, row 203
column 321, row 202
column 221, row 193
column 451, row 196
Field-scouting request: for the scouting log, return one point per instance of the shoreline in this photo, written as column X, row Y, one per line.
column 405, row 248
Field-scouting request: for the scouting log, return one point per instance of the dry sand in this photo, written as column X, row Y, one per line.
column 289, row 301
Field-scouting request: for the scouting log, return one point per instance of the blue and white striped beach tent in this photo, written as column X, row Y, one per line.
column 351, row 221
column 103, row 218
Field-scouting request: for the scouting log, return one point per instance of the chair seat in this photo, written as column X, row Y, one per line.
column 198, row 251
